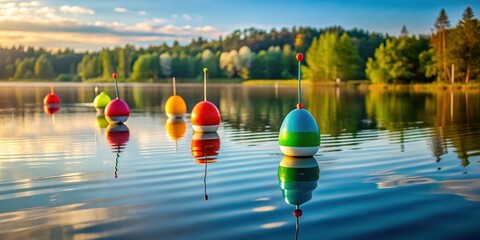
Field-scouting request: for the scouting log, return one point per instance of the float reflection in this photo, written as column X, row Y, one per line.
column 117, row 136
column 297, row 178
column 205, row 148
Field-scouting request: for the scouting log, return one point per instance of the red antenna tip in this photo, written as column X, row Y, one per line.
column 114, row 75
column 297, row 213
column 299, row 57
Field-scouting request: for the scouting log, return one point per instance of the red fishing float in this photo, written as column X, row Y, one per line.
column 117, row 110
column 51, row 98
column 205, row 115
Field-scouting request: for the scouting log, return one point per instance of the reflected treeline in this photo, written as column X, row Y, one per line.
column 453, row 116
column 338, row 110
column 140, row 97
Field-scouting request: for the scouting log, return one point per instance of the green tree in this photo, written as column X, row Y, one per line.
column 465, row 53
column 24, row 69
column 107, row 63
column 125, row 56
column 141, row 68
column 146, row 67
column 428, row 64
column 94, row 67
column 348, row 58
column 273, row 63
column 82, row 66
column 43, row 68
column 439, row 43
column 392, row 62
column 330, row 57
column 154, row 66
column 258, row 64
column 288, row 62
column 9, row 71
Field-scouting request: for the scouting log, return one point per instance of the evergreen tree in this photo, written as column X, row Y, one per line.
column 439, row 41
column 288, row 62
column 125, row 56
column 465, row 53
column 82, row 67
column 404, row 31
column 258, row 65
column 107, row 63
column 273, row 63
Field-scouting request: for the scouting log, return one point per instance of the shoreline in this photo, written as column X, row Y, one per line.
column 360, row 84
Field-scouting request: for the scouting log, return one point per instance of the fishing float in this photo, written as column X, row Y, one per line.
column 101, row 101
column 51, row 98
column 117, row 110
column 175, row 106
column 205, row 115
column 297, row 179
column 51, row 104
column 299, row 134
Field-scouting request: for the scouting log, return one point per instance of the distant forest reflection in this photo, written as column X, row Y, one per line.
column 451, row 117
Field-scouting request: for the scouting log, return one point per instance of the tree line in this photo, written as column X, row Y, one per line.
column 330, row 53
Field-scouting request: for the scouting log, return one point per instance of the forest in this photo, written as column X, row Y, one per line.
column 449, row 53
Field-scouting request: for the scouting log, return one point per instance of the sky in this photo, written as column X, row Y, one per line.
column 91, row 25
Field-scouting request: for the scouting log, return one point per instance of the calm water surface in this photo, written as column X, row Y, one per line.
column 394, row 165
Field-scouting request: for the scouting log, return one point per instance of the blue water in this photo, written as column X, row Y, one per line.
column 392, row 165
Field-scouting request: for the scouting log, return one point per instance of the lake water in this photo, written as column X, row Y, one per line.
column 392, row 165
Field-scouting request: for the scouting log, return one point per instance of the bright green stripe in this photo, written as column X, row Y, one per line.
column 298, row 174
column 299, row 139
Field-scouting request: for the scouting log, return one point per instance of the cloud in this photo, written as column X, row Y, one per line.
column 120, row 10
column 38, row 25
column 124, row 10
column 76, row 10
column 29, row 4
column 186, row 17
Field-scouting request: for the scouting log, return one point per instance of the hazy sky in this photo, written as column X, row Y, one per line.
column 85, row 25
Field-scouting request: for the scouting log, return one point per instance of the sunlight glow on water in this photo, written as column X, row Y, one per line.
column 390, row 162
